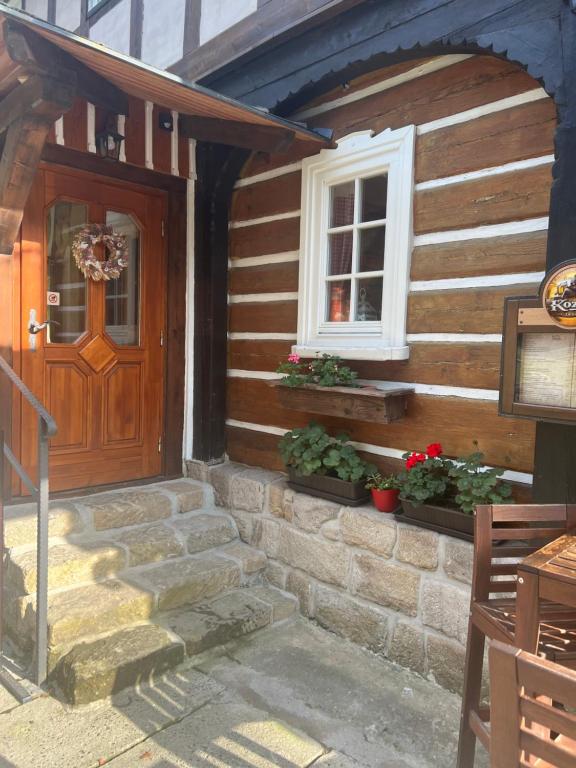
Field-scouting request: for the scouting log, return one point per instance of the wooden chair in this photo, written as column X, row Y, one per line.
column 526, row 729
column 503, row 535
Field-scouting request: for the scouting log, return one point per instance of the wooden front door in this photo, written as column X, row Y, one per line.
column 98, row 366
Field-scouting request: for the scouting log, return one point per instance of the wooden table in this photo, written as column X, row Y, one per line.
column 548, row 574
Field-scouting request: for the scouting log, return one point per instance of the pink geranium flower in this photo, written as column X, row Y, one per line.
column 294, row 358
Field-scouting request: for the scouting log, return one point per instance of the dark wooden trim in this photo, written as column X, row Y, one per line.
column 72, row 158
column 29, row 50
column 555, row 452
column 136, row 23
column 175, row 333
column 192, row 15
column 260, row 138
column 51, row 12
column 290, row 71
column 218, row 168
column 273, row 21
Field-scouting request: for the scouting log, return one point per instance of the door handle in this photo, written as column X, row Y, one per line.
column 35, row 327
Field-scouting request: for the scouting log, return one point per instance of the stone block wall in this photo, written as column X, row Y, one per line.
column 398, row 590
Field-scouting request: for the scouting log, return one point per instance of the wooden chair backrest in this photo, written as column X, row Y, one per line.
column 529, row 724
column 504, row 534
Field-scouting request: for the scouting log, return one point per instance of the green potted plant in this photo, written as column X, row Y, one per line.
column 324, row 466
column 325, row 385
column 441, row 493
column 384, row 490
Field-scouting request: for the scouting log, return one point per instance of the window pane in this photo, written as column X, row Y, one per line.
column 123, row 294
column 338, row 301
column 342, row 204
column 66, row 284
column 369, row 304
column 371, row 247
column 340, row 256
column 374, row 193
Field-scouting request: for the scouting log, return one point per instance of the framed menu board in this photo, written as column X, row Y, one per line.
column 538, row 371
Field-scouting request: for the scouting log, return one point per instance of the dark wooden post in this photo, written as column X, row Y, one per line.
column 217, row 170
column 555, row 454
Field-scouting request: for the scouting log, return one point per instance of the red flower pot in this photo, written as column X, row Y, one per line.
column 385, row 501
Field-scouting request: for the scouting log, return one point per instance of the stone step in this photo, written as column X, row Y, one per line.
column 20, row 522
column 202, row 532
column 189, row 580
column 80, row 611
column 106, row 664
column 100, row 667
column 68, row 564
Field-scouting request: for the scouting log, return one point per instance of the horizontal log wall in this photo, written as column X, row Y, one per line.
column 484, row 156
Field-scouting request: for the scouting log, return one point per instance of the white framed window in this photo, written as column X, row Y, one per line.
column 356, row 240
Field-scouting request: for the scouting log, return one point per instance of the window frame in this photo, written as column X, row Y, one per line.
column 358, row 155
column 99, row 4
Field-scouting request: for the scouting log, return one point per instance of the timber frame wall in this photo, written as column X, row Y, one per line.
column 538, row 35
column 484, row 154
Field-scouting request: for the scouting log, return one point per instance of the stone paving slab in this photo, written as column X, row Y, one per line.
column 46, row 734
column 226, row 734
column 119, row 509
column 344, row 697
column 151, row 544
column 285, row 697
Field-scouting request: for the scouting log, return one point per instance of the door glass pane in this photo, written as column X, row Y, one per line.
column 123, row 294
column 66, row 299
column 338, row 301
column 374, row 193
column 371, row 249
column 369, row 301
column 342, row 204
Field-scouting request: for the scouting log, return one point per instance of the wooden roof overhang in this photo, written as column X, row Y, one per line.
column 30, row 46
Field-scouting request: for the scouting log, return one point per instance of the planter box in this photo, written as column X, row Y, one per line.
column 359, row 403
column 451, row 522
column 330, row 488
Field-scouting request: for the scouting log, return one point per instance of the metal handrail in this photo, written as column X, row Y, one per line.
column 40, row 492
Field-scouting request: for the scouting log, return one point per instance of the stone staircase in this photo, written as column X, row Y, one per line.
column 138, row 579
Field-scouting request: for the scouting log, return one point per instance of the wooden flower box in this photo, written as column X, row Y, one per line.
column 451, row 522
column 363, row 403
column 331, row 488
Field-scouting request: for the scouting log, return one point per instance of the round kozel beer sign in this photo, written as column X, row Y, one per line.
column 559, row 295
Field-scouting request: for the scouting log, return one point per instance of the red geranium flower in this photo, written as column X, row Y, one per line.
column 434, row 450
column 415, row 458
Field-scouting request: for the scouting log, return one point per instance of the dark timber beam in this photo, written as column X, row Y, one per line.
column 555, row 454
column 218, row 168
column 261, row 138
column 36, row 55
column 36, row 95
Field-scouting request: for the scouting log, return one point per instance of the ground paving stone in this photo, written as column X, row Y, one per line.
column 286, row 696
